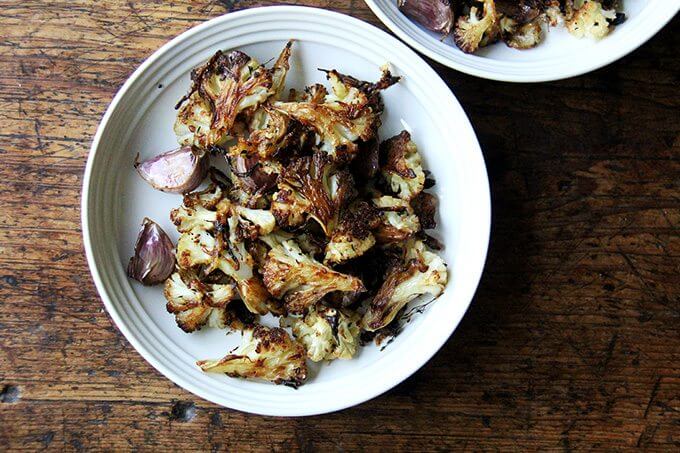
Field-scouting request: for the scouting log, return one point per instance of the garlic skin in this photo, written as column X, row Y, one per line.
column 435, row 15
column 176, row 171
column 154, row 259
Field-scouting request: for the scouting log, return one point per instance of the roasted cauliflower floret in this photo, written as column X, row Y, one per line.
column 349, row 113
column 299, row 279
column 398, row 221
column 425, row 208
column 196, row 217
column 290, row 208
column 265, row 353
column 345, row 245
column 222, row 88
column 402, row 166
column 196, row 304
column 326, row 333
column 252, row 223
column 311, row 187
column 422, row 272
column 591, row 20
column 353, row 237
column 235, row 261
column 214, row 239
column 208, row 198
column 473, row 31
column 553, row 12
column 521, row 36
column 195, row 248
column 271, row 131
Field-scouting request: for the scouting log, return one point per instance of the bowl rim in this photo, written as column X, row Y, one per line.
column 96, row 273
column 571, row 70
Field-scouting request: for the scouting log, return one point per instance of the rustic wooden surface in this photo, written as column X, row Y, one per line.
column 572, row 342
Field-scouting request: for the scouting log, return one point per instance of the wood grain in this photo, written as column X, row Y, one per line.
column 572, row 342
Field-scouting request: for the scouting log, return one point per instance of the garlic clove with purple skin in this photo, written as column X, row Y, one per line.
column 177, row 171
column 435, row 15
column 154, row 258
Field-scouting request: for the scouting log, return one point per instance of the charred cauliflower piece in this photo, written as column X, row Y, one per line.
column 326, row 333
column 521, row 36
column 472, row 31
column 299, row 279
column 208, row 198
column 398, row 221
column 311, row 187
column 222, row 88
column 196, row 304
column 425, row 208
column 402, row 166
column 351, row 112
column 553, row 12
column 590, row 20
column 270, row 132
column 196, row 217
column 353, row 237
column 213, row 238
column 235, row 261
column 195, row 248
column 252, row 223
column 422, row 272
column 265, row 353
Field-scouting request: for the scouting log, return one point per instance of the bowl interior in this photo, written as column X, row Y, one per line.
column 140, row 121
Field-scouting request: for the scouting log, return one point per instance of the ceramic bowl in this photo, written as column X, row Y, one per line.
column 559, row 56
column 140, row 120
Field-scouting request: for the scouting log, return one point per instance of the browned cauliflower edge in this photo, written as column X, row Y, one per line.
column 267, row 353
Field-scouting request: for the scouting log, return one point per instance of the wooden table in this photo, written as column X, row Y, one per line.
column 573, row 339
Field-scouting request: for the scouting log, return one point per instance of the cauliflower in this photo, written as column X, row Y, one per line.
column 196, row 304
column 353, row 237
column 422, row 272
column 265, row 353
column 249, row 223
column 345, row 245
column 222, row 88
column 398, row 221
column 402, row 166
column 425, row 207
column 289, row 207
column 195, row 248
column 270, row 132
column 207, row 198
column 298, row 279
column 590, row 20
column 472, row 31
column 326, row 333
column 195, row 214
column 315, row 94
column 350, row 113
column 214, row 239
column 553, row 12
column 234, row 260
column 311, row 187
column 280, row 71
column 196, row 217
column 253, row 179
column 524, row 36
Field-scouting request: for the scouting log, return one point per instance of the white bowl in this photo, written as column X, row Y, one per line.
column 140, row 119
column 558, row 57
